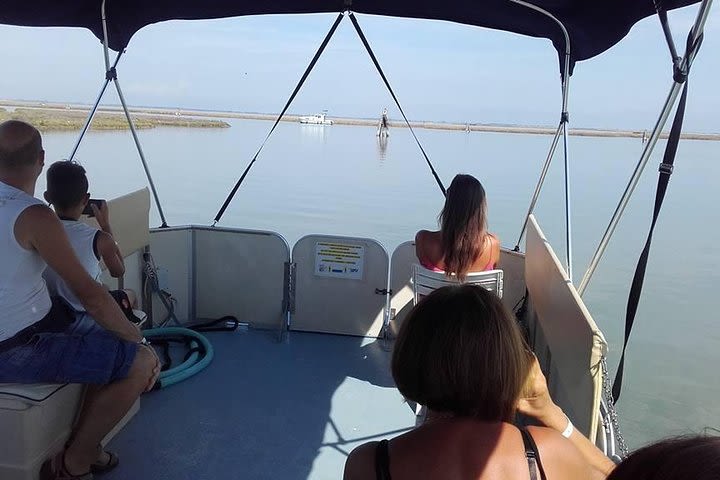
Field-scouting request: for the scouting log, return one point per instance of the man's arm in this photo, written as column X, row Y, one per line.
column 38, row 228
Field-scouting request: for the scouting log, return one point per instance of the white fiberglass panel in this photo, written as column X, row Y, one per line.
column 340, row 283
column 240, row 273
column 568, row 343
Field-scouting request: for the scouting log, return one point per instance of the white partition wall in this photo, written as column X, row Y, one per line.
column 133, row 275
column 213, row 272
column 240, row 273
column 340, row 285
column 401, row 298
column 129, row 218
column 565, row 338
column 172, row 250
column 513, row 266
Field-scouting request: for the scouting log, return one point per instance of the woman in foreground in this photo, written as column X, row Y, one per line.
column 463, row 244
column 461, row 354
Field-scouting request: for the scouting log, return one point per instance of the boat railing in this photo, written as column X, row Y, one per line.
column 351, row 286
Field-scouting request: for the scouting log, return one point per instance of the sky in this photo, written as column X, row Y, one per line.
column 439, row 70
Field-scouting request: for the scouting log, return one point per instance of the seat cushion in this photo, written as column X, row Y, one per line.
column 32, row 393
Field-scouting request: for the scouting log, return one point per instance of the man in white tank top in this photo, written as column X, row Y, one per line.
column 40, row 337
column 67, row 192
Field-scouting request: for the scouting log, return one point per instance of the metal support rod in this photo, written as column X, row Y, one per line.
column 568, row 210
column 696, row 32
column 662, row 15
column 94, row 108
column 566, row 157
column 540, row 183
column 698, row 29
column 630, row 188
column 552, row 17
column 113, row 77
column 564, row 126
column 140, row 152
column 106, row 50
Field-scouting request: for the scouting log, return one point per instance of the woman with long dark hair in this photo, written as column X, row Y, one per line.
column 463, row 243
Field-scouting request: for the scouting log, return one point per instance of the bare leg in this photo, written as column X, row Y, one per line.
column 90, row 393
column 104, row 407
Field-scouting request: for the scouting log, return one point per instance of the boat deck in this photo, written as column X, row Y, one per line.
column 266, row 409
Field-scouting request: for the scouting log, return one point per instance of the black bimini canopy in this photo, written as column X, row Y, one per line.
column 593, row 25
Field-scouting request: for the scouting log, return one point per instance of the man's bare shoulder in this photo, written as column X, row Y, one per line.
column 34, row 221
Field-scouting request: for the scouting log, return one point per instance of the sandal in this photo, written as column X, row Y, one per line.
column 54, row 469
column 98, row 468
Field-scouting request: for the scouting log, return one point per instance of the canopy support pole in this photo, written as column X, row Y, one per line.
column 696, row 33
column 111, row 76
column 566, row 157
column 140, row 152
column 562, row 128
column 541, row 182
column 630, row 188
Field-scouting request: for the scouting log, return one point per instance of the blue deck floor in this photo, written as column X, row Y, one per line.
column 266, row 410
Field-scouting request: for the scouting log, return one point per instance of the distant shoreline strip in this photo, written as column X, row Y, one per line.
column 471, row 127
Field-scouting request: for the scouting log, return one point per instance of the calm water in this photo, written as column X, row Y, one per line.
column 340, row 180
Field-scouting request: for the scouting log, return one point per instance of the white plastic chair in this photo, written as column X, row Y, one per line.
column 424, row 281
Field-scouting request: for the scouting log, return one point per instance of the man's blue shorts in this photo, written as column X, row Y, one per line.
column 83, row 352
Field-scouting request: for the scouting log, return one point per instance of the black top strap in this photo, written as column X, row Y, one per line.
column 382, row 461
column 533, row 456
column 666, row 169
column 397, row 102
column 305, row 75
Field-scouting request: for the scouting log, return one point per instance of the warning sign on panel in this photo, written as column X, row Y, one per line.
column 339, row 260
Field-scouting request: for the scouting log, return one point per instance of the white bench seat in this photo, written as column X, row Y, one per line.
column 38, row 418
column 35, row 422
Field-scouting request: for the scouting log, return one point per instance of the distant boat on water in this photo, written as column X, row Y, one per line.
column 317, row 119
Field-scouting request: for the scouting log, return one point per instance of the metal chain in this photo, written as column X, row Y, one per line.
column 607, row 393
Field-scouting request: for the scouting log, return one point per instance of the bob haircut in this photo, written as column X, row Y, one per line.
column 460, row 351
column 695, row 457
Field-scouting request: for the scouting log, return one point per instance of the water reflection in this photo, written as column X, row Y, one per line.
column 382, row 142
column 312, row 133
